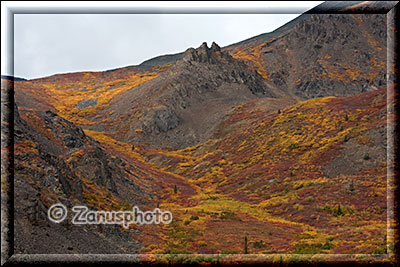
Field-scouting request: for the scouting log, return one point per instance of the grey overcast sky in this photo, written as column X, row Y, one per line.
column 46, row 44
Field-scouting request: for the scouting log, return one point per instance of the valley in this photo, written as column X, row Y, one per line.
column 276, row 145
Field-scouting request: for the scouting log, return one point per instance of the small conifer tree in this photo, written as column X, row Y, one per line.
column 245, row 245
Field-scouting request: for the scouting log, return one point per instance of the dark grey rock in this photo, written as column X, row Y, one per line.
column 87, row 103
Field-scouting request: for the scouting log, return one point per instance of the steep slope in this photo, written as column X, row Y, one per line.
column 220, row 137
column 278, row 181
column 319, row 166
column 322, row 55
column 55, row 162
column 181, row 106
column 320, row 52
column 329, row 7
column 176, row 100
column 76, row 96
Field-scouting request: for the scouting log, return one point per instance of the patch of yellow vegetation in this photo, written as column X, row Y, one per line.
column 120, row 146
column 66, row 96
column 254, row 56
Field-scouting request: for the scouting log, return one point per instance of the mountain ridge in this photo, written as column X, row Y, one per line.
column 280, row 142
column 201, row 77
column 332, row 7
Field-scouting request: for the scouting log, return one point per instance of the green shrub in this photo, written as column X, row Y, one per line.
column 293, row 146
column 327, row 245
column 194, row 217
column 258, row 244
column 337, row 211
column 227, row 215
column 310, row 199
column 245, row 245
column 380, row 250
column 89, row 198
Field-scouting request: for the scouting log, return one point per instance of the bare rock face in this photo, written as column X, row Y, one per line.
column 319, row 55
column 52, row 156
column 70, row 135
column 188, row 100
column 203, row 54
column 160, row 120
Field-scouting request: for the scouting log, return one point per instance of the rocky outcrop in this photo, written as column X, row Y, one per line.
column 188, row 99
column 88, row 103
column 52, row 157
column 35, row 234
column 203, row 54
column 319, row 55
column 70, row 135
column 160, row 120
column 230, row 70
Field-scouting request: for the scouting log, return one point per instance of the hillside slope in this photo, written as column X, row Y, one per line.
column 315, row 170
column 182, row 105
column 318, row 166
column 280, row 140
column 176, row 100
column 55, row 161
column 322, row 55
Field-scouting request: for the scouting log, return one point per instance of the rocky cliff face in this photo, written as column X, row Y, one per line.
column 56, row 162
column 188, row 100
column 321, row 55
column 65, row 153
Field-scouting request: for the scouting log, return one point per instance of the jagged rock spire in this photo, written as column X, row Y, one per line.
column 215, row 47
column 204, row 46
column 205, row 54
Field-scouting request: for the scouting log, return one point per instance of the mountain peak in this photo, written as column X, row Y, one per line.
column 215, row 47
column 204, row 45
column 203, row 54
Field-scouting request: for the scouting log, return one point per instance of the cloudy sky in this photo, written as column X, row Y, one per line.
column 46, row 44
